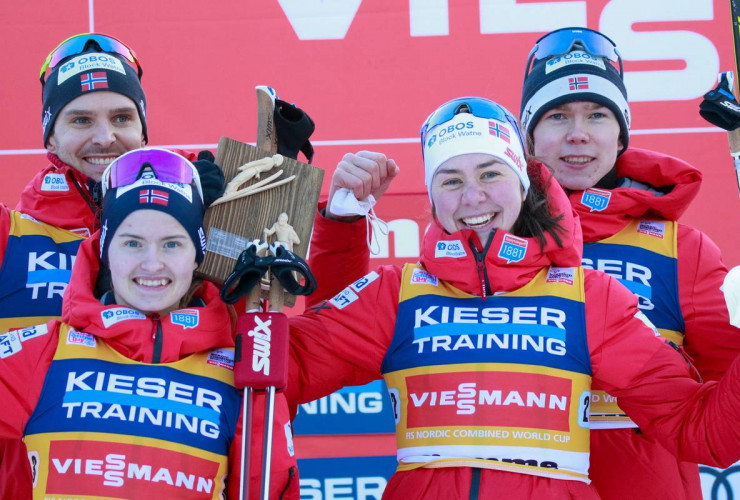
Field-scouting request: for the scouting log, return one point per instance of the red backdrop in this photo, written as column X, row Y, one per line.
column 369, row 72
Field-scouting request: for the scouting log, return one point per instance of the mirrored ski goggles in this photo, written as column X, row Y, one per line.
column 164, row 164
column 77, row 44
column 562, row 41
column 476, row 106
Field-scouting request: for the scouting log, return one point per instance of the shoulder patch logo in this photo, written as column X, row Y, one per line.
column 221, row 357
column 361, row 283
column 114, row 315
column 596, row 199
column 186, row 318
column 344, row 298
column 513, row 248
column 652, row 228
column 80, row 338
column 561, row 275
column 32, row 332
column 54, row 182
column 10, row 344
column 423, row 277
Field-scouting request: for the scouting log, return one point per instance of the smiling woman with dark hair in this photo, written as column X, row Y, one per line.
column 491, row 342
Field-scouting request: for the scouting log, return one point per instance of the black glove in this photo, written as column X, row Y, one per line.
column 293, row 127
column 248, row 271
column 211, row 177
column 720, row 107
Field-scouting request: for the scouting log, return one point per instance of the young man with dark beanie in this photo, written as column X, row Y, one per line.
column 576, row 117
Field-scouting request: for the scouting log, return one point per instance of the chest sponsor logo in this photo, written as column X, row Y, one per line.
column 186, row 318
column 575, row 57
column 422, row 277
column 652, row 228
column 221, row 357
column 513, row 248
column 561, row 275
column 80, row 338
column 118, row 470
column 87, row 62
column 361, row 283
column 114, row 315
column 635, row 277
column 525, row 328
column 48, row 274
column 344, row 298
column 501, row 399
column 10, row 344
column 150, row 401
column 596, row 199
column 54, row 182
column 453, row 249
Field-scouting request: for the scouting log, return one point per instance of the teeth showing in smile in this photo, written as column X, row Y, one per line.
column 477, row 221
column 144, row 282
column 578, row 160
column 100, row 161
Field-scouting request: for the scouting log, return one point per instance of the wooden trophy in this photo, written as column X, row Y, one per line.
column 261, row 185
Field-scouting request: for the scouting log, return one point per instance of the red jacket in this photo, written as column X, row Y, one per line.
column 73, row 208
column 709, row 338
column 22, row 374
column 333, row 347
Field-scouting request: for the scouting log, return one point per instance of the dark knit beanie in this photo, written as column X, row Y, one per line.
column 86, row 73
column 576, row 76
column 181, row 201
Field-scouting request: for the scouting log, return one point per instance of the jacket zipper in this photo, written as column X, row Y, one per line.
column 157, row 336
column 480, row 264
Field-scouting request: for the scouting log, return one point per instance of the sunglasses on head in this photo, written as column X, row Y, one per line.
column 163, row 164
column 79, row 44
column 562, row 41
column 476, row 106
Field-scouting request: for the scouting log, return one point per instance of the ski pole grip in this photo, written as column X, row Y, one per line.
column 261, row 358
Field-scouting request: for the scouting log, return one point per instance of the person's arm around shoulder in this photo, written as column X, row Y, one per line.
column 25, row 356
column 655, row 385
column 710, row 339
column 339, row 253
column 343, row 341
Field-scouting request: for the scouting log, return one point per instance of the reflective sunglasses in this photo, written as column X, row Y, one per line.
column 163, row 164
column 476, row 106
column 562, row 41
column 77, row 45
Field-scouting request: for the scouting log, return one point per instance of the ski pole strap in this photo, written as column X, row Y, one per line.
column 719, row 106
column 247, row 273
column 293, row 127
column 286, row 265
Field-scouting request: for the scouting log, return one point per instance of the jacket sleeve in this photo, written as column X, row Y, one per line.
column 338, row 255
column 23, row 367
column 654, row 383
column 344, row 340
column 710, row 339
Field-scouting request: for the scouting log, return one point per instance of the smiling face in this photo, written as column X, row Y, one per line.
column 152, row 260
column 579, row 141
column 94, row 129
column 476, row 191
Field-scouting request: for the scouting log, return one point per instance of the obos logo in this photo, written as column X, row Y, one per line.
column 116, row 314
column 432, row 140
column 453, row 249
